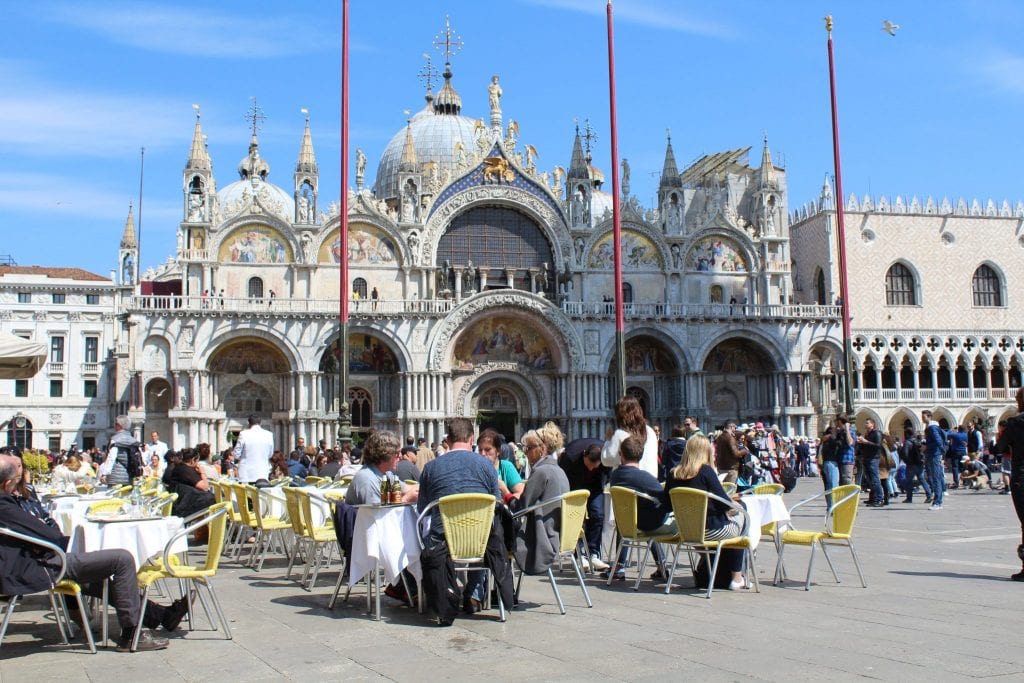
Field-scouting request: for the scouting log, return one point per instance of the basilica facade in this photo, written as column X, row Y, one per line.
column 480, row 285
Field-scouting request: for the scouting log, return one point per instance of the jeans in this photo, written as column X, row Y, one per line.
column 871, row 472
column 595, row 523
column 937, row 477
column 916, row 472
column 846, row 473
column 830, row 474
column 954, row 467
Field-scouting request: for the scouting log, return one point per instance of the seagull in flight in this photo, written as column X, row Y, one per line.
column 890, row 27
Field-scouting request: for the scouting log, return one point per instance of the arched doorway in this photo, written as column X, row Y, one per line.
column 653, row 377
column 159, row 401
column 374, row 382
column 738, row 383
column 498, row 409
column 248, row 378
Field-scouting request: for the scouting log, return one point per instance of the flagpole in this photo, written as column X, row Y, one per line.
column 844, row 289
column 620, row 315
column 138, row 239
column 344, row 418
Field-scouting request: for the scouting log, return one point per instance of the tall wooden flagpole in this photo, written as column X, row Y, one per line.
column 844, row 290
column 344, row 417
column 620, row 313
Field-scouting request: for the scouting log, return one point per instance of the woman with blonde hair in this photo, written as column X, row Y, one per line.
column 695, row 471
column 630, row 422
column 537, row 542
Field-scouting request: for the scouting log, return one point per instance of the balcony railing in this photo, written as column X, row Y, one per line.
column 663, row 311
column 90, row 369
column 55, row 368
column 929, row 395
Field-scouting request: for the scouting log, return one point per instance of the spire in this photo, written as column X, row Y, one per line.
column 669, row 171
column 408, row 163
column 447, row 101
column 128, row 240
column 767, row 168
column 307, row 160
column 198, row 157
column 578, row 166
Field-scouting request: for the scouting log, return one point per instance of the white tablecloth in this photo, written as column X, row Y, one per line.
column 143, row 539
column 762, row 509
column 70, row 511
column 274, row 504
column 386, row 535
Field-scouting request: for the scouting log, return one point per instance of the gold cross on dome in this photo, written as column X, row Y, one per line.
column 428, row 74
column 255, row 116
column 448, row 42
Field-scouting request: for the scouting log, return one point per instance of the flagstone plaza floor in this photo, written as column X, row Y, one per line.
column 938, row 607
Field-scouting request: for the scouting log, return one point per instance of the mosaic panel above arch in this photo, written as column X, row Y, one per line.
column 367, row 354
column 638, row 252
column 255, row 244
column 367, row 245
column 504, row 338
column 738, row 357
column 248, row 355
column 716, row 255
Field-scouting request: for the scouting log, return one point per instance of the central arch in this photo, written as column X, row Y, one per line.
column 737, row 379
column 505, row 401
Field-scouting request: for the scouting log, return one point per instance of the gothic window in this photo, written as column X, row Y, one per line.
column 900, row 286
column 627, row 293
column 359, row 287
column 987, row 287
column 495, row 237
column 819, row 283
column 359, row 399
column 255, row 288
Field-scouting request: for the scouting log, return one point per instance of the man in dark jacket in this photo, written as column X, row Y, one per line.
column 25, row 568
column 912, row 456
column 1012, row 441
column 585, row 471
column 672, row 454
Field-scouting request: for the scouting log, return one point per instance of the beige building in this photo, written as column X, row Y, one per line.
column 932, row 285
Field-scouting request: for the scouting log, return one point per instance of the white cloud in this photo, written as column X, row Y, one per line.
column 661, row 15
column 42, row 194
column 189, row 29
column 1004, row 71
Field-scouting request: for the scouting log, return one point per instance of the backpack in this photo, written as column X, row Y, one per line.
column 943, row 440
column 788, row 478
column 133, row 458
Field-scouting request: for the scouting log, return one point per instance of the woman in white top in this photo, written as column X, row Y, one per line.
column 629, row 419
column 73, row 471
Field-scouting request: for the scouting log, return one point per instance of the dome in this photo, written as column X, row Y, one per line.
column 600, row 202
column 434, row 136
column 236, row 198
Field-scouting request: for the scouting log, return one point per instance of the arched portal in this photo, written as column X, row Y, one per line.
column 372, row 369
column 159, row 402
column 653, row 377
column 504, row 403
column 739, row 383
column 249, row 377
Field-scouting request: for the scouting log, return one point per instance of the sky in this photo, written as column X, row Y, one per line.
column 85, row 85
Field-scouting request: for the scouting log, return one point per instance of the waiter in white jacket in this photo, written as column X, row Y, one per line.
column 252, row 452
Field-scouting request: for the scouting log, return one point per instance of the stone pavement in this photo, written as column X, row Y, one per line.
column 938, row 607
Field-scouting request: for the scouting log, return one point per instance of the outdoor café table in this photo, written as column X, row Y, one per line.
column 143, row 538
column 69, row 510
column 763, row 509
column 385, row 537
column 273, row 502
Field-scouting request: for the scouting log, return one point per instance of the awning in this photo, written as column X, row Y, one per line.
column 20, row 358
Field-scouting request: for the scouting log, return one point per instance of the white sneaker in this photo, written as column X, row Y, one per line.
column 584, row 563
column 738, row 585
column 597, row 563
column 935, row 507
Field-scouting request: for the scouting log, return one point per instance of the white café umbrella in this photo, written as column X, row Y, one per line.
column 20, row 358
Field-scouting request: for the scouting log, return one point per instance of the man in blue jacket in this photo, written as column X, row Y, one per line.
column 957, row 451
column 935, row 447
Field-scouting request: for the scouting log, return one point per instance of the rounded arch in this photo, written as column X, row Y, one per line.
column 157, row 354
column 1006, row 414
column 642, row 250
column 668, row 341
column 283, row 345
column 719, row 253
column 507, row 337
column 553, row 321
column 256, row 241
column 944, row 416
column 372, row 242
column 529, row 402
column 971, row 413
column 603, row 232
column 769, row 345
column 742, row 240
column 902, row 284
column 899, row 420
column 158, row 401
column 248, row 355
column 329, row 337
column 551, row 222
column 369, row 353
column 862, row 416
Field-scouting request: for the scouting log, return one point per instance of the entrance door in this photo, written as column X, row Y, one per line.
column 502, row 422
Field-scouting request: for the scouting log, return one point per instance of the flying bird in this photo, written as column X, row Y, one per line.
column 890, row 27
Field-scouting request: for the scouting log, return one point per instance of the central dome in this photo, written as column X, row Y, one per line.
column 434, row 135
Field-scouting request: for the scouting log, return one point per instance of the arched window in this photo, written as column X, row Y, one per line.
column 819, row 282
column 900, row 287
column 360, row 408
column 627, row 293
column 359, row 287
column 495, row 237
column 987, row 287
column 255, row 288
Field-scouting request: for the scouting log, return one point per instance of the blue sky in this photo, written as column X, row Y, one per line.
column 932, row 111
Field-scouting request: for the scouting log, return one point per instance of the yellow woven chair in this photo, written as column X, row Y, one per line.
column 268, row 527
column 839, row 521
column 624, row 504
column 320, row 537
column 113, row 505
column 690, row 507
column 313, row 480
column 246, row 522
column 467, row 520
column 294, row 508
column 572, row 512
column 122, row 491
column 84, row 489
column 729, row 487
column 222, row 494
column 167, row 501
column 60, row 588
column 199, row 575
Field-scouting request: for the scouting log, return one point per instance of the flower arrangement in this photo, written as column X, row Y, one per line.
column 35, row 462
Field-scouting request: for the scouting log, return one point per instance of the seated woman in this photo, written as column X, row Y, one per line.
column 278, row 466
column 210, row 471
column 511, row 484
column 537, row 542
column 155, row 468
column 188, row 480
column 695, row 471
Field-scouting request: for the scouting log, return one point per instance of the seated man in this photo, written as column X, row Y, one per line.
column 585, row 471
column 459, row 470
column 652, row 518
column 25, row 569
column 406, row 469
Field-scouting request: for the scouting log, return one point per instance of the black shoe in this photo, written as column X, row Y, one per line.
column 1019, row 576
column 876, row 505
column 907, row 500
column 174, row 614
column 471, row 605
column 147, row 642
